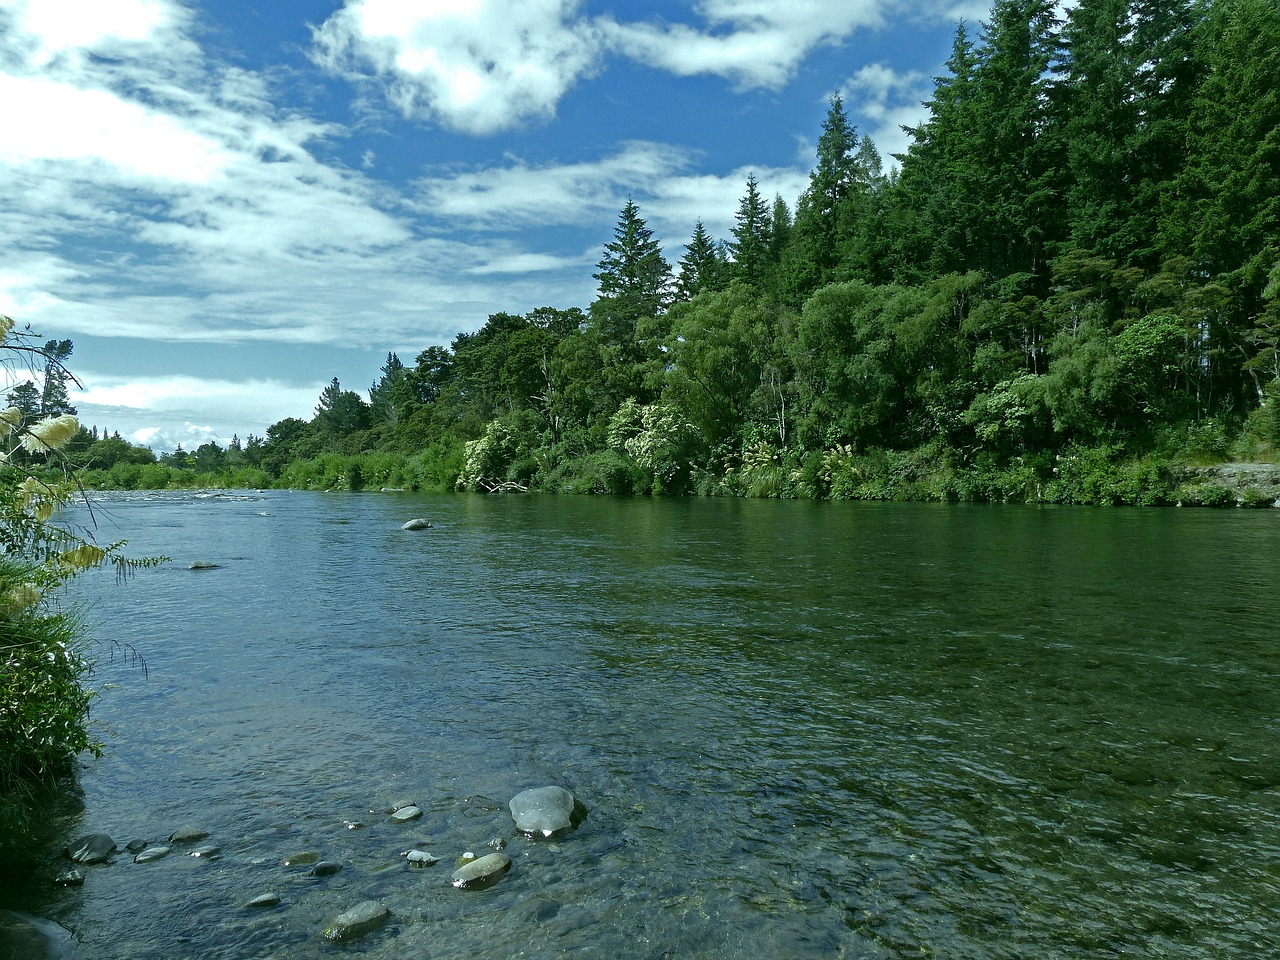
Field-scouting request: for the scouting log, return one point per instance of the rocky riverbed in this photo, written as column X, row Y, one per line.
column 397, row 838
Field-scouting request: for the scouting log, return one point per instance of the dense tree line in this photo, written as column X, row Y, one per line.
column 1068, row 285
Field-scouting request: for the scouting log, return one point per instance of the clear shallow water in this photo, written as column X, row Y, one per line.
column 802, row 729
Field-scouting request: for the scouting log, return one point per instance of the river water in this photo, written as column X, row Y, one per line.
column 802, row 730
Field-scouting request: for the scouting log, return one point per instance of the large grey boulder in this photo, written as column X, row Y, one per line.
column 546, row 812
column 361, row 919
column 481, row 873
column 94, row 848
column 24, row 937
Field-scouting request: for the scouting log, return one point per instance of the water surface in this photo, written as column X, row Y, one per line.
column 803, row 730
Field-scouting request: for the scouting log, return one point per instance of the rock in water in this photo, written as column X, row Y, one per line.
column 482, row 873
column 95, row 848
column 361, row 919
column 187, row 835
column 420, row 858
column 264, row 900
column 151, row 853
column 546, row 812
column 418, row 523
column 72, row 878
column 405, row 814
column 24, row 937
column 325, row 868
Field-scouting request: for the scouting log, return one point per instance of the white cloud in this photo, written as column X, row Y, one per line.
column 188, row 410
column 754, row 43
column 519, row 194
column 48, row 120
column 889, row 100
column 72, row 28
column 478, row 66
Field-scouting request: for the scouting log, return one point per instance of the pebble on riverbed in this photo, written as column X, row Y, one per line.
column 361, row 919
column 481, row 873
column 151, row 853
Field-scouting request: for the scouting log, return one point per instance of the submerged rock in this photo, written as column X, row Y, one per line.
column 546, row 812
column 71, row 878
column 24, row 937
column 482, row 873
column 207, row 852
column 264, row 900
column 418, row 523
column 300, row 859
column 405, row 814
column 420, row 858
column 325, row 868
column 94, row 848
column 151, row 853
column 187, row 835
column 361, row 919
column 202, row 565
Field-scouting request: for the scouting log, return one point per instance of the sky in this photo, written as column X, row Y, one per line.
column 225, row 204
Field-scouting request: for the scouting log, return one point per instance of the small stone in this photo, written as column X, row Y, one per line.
column 497, row 843
column 94, row 848
column 301, row 859
column 353, row 824
column 361, row 919
column 71, row 878
column 466, row 858
column 264, row 900
column 325, row 868
column 482, row 873
column 420, row 858
column 187, row 835
column 207, row 852
column 152, row 853
column 405, row 814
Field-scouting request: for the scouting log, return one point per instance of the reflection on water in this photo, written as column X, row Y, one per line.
column 802, row 730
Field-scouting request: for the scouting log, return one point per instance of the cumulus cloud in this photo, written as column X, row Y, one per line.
column 176, row 409
column 478, row 66
column 754, row 43
column 888, row 100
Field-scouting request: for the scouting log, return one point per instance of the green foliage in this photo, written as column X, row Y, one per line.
column 1071, row 281
column 44, row 705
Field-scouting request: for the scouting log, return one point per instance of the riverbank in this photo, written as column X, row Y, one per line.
column 1078, row 476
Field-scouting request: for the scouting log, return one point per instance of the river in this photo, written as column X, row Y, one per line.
column 801, row 730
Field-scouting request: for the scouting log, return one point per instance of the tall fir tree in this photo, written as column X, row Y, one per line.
column 702, row 268
column 750, row 244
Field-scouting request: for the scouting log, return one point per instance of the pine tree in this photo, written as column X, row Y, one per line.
column 702, row 267
column 750, row 245
column 635, row 282
column 54, row 400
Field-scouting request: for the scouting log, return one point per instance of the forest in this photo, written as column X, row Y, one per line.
column 1066, row 290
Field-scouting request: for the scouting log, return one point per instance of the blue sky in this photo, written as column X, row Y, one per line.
column 226, row 203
